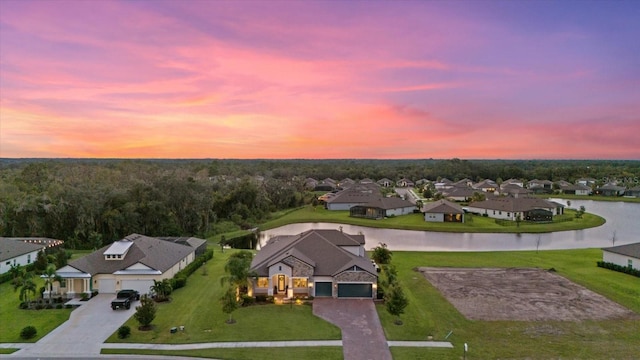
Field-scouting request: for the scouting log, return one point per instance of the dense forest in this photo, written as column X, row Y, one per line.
column 91, row 202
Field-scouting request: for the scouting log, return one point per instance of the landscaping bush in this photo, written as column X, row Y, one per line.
column 28, row 332
column 59, row 306
column 615, row 267
column 261, row 298
column 124, row 332
column 178, row 282
column 247, row 300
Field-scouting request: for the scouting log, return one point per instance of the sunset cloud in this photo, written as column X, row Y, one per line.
column 255, row 79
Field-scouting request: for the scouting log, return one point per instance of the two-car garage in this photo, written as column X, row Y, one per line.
column 355, row 290
column 109, row 286
column 345, row 290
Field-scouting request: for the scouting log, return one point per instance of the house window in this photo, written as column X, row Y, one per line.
column 509, row 214
column 8, row 263
column 299, row 282
column 63, row 283
column 263, row 282
column 630, row 263
column 29, row 259
column 494, row 212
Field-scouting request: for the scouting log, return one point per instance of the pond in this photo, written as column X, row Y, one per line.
column 623, row 223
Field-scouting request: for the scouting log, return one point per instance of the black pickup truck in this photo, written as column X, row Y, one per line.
column 124, row 298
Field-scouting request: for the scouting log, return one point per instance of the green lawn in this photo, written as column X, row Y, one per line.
column 430, row 314
column 416, row 222
column 197, row 308
column 15, row 319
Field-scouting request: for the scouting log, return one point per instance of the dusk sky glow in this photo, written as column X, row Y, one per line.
column 320, row 79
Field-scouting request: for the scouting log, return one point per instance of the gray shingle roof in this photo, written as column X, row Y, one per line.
column 514, row 204
column 319, row 248
column 388, row 203
column 155, row 253
column 442, row 207
column 632, row 250
column 13, row 247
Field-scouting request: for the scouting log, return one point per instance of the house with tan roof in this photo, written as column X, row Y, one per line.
column 319, row 263
column 130, row 263
column 511, row 208
column 443, row 211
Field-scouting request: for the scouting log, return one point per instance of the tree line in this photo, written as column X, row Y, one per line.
column 91, row 202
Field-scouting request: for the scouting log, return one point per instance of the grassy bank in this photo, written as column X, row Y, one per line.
column 15, row 319
column 325, row 352
column 429, row 313
column 197, row 308
column 473, row 223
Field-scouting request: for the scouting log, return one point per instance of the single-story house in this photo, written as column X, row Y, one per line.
column 404, row 182
column 512, row 182
column 319, row 263
column 633, row 192
column 610, row 190
column 540, row 186
column 458, row 193
column 356, row 195
column 509, row 208
column 488, row 186
column 131, row 263
column 384, row 182
column 443, row 211
column 382, row 207
column 443, row 183
column 586, row 181
column 623, row 255
column 514, row 190
column 22, row 251
column 577, row 189
column 366, row 181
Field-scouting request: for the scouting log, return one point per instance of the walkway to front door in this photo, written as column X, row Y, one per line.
column 362, row 334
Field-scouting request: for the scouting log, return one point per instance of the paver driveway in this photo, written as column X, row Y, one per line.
column 85, row 331
column 362, row 334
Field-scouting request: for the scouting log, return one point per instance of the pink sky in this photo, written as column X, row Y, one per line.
column 320, row 79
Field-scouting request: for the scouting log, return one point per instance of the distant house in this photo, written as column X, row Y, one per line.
column 510, row 208
column 623, row 255
column 458, row 193
column 443, row 211
column 382, row 207
column 356, row 195
column 540, row 186
column 512, row 182
column 130, row 263
column 488, row 186
column 310, row 183
column 633, row 192
column 586, row 181
column 464, row 183
column 610, row 190
column 384, row 182
column 562, row 183
column 15, row 251
column 327, row 184
column 366, row 181
column 346, row 182
column 514, row 190
column 577, row 189
column 320, row 263
column 444, row 183
column 404, row 182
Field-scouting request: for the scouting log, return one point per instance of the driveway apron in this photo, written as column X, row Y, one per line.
column 83, row 334
column 362, row 334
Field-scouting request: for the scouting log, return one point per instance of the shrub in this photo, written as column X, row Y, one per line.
column 261, row 298
column 28, row 332
column 124, row 332
column 59, row 306
column 247, row 300
column 615, row 267
column 178, row 282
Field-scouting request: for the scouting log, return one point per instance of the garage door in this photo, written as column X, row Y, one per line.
column 324, row 289
column 355, row 291
column 107, row 286
column 142, row 286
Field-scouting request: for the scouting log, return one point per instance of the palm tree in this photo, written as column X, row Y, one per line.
column 49, row 275
column 26, row 285
column 162, row 289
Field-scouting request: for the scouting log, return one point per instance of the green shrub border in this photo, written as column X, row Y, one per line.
column 180, row 279
column 615, row 267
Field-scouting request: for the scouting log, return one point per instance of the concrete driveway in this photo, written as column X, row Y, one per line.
column 83, row 334
column 362, row 334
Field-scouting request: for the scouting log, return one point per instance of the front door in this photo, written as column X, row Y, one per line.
column 281, row 283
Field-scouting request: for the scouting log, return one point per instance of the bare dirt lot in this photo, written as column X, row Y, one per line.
column 520, row 294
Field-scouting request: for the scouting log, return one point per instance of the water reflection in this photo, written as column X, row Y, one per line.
column 623, row 218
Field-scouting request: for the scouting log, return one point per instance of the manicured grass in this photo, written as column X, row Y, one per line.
column 197, row 308
column 416, row 222
column 429, row 313
column 15, row 319
column 319, row 352
column 7, row 351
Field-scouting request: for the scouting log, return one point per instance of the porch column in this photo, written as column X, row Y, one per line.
column 270, row 286
column 290, row 291
column 86, row 285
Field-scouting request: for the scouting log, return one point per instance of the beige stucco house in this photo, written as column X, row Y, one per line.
column 131, row 263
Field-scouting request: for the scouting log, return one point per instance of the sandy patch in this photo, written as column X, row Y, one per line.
column 520, row 294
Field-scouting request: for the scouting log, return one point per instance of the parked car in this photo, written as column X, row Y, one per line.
column 124, row 298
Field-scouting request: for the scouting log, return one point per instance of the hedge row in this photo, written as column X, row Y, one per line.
column 180, row 279
column 625, row 269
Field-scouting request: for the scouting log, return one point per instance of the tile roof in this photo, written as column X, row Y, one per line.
column 155, row 253
column 632, row 250
column 319, row 248
column 13, row 247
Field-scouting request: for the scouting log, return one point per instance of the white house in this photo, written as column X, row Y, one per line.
column 15, row 252
column 623, row 255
